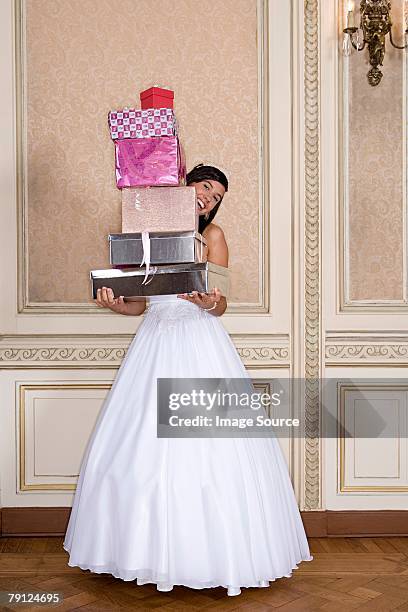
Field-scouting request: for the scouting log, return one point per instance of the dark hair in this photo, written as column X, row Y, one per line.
column 204, row 173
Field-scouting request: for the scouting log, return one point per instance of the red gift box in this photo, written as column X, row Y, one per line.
column 156, row 97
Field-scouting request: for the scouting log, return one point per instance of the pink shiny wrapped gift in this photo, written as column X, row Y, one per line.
column 159, row 209
column 157, row 161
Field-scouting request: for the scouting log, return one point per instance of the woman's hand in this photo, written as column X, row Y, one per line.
column 105, row 299
column 203, row 300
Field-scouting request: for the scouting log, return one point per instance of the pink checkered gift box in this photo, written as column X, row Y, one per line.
column 132, row 123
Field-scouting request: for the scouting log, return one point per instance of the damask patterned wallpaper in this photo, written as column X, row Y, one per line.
column 85, row 57
column 376, row 131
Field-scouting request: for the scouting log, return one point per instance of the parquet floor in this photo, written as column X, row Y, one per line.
column 346, row 574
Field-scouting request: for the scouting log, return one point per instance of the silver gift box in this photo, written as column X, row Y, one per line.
column 165, row 248
column 162, row 280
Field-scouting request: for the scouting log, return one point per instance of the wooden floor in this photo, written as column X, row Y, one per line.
column 346, row 574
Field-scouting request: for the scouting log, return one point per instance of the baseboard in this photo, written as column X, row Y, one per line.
column 46, row 521
column 355, row 523
column 34, row 521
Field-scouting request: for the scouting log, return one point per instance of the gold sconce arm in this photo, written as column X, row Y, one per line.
column 351, row 32
column 398, row 46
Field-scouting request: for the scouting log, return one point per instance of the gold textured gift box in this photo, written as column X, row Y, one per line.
column 159, row 209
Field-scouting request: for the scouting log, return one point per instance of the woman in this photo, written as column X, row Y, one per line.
column 201, row 512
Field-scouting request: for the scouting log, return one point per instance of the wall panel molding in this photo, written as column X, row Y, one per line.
column 26, row 305
column 35, row 429
column 373, row 464
column 360, row 166
column 63, row 352
column 47, row 424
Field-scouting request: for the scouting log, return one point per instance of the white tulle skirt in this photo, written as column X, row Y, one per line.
column 201, row 512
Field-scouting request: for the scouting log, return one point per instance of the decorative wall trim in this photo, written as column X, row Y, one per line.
column 312, row 253
column 96, row 352
column 263, row 351
column 366, row 349
column 47, row 351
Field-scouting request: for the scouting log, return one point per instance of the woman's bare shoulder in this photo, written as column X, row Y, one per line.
column 217, row 245
column 214, row 232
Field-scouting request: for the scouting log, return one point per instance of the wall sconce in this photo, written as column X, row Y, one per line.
column 375, row 24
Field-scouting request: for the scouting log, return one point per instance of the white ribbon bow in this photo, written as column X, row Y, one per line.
column 146, row 254
column 152, row 272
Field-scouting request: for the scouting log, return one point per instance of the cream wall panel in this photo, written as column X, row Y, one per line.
column 265, row 341
column 374, row 463
column 278, row 160
column 55, row 422
column 21, row 389
column 367, row 473
column 67, row 346
column 335, row 321
column 373, row 203
column 81, row 84
column 353, row 340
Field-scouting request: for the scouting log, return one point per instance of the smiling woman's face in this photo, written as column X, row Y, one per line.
column 209, row 193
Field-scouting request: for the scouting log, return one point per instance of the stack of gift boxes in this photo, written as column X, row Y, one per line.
column 159, row 213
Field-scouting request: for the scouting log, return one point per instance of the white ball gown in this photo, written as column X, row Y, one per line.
column 202, row 512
